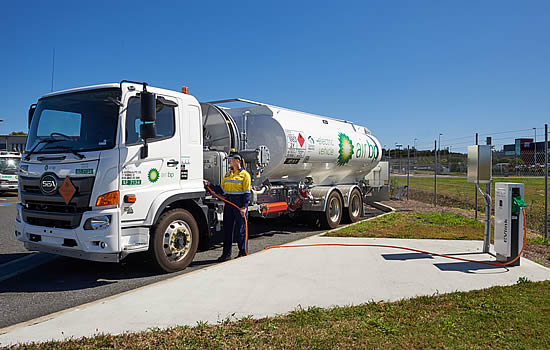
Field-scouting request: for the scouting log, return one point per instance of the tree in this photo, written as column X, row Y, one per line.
column 18, row 133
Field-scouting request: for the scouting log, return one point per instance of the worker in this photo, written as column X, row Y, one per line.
column 235, row 186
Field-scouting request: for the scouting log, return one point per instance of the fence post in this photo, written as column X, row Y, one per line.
column 435, row 173
column 545, row 181
column 475, row 189
column 408, row 168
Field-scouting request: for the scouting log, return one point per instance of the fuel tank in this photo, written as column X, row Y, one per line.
column 301, row 145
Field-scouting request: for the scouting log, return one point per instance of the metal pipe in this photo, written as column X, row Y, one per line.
column 244, row 132
column 476, row 185
column 408, row 168
column 435, row 174
column 487, row 235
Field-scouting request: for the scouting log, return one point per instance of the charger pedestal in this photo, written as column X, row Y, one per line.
column 508, row 222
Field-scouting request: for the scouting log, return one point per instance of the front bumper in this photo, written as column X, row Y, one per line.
column 8, row 187
column 96, row 245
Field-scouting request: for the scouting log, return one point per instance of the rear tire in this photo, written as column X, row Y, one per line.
column 333, row 213
column 174, row 240
column 355, row 209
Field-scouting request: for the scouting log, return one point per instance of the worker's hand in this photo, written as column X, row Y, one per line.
column 243, row 211
column 205, row 182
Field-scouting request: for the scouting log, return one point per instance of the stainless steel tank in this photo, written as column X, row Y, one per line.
column 303, row 145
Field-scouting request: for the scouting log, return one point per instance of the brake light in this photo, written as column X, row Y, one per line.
column 110, row 198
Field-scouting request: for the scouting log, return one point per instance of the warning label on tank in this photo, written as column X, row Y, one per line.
column 295, row 142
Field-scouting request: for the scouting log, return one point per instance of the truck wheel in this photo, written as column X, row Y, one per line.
column 333, row 213
column 355, row 209
column 175, row 240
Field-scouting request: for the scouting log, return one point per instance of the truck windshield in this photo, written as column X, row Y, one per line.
column 81, row 121
column 9, row 165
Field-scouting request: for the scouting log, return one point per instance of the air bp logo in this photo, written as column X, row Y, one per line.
column 153, row 175
column 346, row 149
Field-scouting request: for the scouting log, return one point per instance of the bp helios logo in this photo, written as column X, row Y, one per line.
column 153, row 175
column 346, row 149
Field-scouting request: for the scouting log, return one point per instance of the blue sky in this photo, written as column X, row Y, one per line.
column 404, row 69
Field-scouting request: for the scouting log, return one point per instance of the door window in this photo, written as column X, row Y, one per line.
column 165, row 122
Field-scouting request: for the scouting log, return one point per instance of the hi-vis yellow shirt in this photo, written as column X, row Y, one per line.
column 236, row 182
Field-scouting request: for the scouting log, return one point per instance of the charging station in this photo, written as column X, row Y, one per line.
column 508, row 221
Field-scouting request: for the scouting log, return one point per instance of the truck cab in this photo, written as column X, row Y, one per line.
column 104, row 165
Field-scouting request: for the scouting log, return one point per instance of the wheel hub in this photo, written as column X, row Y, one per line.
column 177, row 240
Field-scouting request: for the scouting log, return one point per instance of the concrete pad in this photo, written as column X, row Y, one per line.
column 280, row 280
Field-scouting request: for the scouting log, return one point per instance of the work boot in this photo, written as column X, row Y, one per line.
column 241, row 253
column 224, row 258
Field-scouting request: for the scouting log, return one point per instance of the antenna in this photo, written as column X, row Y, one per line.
column 53, row 66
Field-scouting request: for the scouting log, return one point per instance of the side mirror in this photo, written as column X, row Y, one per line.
column 148, row 131
column 32, row 108
column 148, row 107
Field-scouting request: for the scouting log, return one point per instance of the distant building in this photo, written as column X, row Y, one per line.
column 13, row 142
column 523, row 146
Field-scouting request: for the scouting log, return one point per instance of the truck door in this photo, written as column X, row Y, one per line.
column 191, row 149
column 159, row 172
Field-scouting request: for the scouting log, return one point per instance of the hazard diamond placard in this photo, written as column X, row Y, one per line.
column 67, row 190
column 301, row 139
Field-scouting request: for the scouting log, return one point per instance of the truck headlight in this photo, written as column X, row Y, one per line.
column 18, row 216
column 98, row 222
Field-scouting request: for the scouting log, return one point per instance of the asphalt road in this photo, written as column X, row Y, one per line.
column 61, row 282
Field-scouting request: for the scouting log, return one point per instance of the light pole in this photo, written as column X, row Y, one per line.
column 1, row 120
column 535, row 159
column 414, row 141
column 438, row 151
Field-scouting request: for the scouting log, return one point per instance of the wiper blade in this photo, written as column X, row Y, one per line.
column 68, row 148
column 46, row 141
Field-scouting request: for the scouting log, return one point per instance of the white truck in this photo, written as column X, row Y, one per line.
column 115, row 169
column 9, row 166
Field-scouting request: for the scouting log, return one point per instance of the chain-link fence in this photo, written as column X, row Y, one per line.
column 439, row 177
column 527, row 163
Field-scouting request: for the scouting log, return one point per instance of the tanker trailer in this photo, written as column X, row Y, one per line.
column 298, row 161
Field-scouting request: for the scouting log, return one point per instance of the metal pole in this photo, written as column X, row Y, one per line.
column 476, row 187
column 488, row 209
column 545, row 181
column 435, row 174
column 408, row 168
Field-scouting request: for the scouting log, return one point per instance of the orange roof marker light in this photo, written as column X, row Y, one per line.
column 185, row 90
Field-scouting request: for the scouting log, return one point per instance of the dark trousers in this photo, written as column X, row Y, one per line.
column 233, row 225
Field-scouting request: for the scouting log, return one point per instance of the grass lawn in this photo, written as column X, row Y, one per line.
column 513, row 317
column 458, row 193
column 416, row 225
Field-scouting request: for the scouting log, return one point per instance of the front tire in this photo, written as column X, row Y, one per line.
column 174, row 240
column 332, row 215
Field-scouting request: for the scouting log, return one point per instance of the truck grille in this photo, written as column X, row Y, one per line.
column 52, row 211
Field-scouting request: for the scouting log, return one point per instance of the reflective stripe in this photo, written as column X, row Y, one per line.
column 236, row 192
column 234, row 181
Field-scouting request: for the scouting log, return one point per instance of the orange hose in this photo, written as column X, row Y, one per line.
column 244, row 216
column 412, row 249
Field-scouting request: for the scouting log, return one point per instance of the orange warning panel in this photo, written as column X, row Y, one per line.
column 67, row 190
